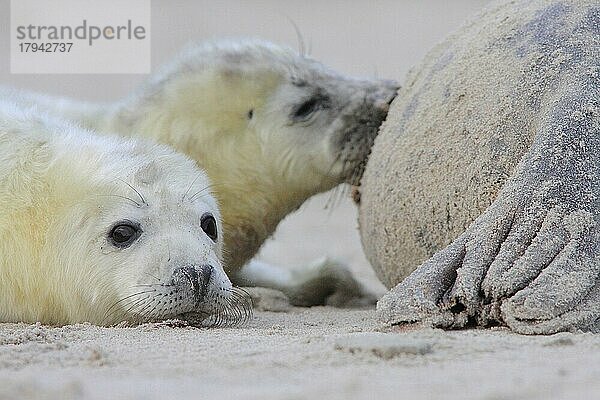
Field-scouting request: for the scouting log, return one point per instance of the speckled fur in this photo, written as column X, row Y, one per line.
column 490, row 164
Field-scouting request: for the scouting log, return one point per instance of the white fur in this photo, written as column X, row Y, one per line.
column 262, row 167
column 61, row 191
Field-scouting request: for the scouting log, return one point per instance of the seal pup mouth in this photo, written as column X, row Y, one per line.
column 237, row 310
column 208, row 307
column 193, row 295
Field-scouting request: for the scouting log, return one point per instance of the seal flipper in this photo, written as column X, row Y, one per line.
column 531, row 260
column 561, row 296
column 323, row 282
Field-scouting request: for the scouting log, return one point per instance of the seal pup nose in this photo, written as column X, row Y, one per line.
column 392, row 96
column 385, row 94
column 198, row 277
column 205, row 272
column 391, row 93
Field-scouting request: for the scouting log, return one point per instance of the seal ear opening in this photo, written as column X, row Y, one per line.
column 251, row 113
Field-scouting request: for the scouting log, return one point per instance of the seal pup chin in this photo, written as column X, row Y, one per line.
column 104, row 229
column 270, row 127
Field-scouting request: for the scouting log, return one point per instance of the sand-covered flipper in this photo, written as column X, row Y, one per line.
column 485, row 178
column 532, row 260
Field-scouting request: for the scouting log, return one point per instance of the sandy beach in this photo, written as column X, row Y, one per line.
column 314, row 353
column 310, row 353
column 318, row 353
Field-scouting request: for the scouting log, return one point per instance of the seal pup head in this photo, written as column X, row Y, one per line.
column 166, row 224
column 309, row 127
column 124, row 231
column 270, row 127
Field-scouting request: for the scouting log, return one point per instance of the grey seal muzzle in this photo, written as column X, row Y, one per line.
column 195, row 278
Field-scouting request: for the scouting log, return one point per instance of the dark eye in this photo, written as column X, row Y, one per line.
column 306, row 108
column 209, row 226
column 124, row 234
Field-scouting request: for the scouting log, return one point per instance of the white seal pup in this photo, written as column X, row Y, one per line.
column 105, row 229
column 487, row 171
column 270, row 127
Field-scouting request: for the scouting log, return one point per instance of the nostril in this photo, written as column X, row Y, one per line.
column 196, row 277
column 187, row 276
column 205, row 272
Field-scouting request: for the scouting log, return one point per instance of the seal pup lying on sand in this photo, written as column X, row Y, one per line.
column 491, row 158
column 270, row 127
column 105, row 229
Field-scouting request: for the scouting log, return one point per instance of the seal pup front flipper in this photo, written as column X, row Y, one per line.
column 532, row 260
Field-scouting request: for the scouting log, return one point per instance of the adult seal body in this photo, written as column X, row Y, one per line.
column 104, row 229
column 270, row 127
column 487, row 171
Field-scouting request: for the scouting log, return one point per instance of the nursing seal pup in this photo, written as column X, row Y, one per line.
column 487, row 171
column 270, row 127
column 105, row 229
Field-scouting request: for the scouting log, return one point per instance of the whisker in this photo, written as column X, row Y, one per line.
column 112, row 308
column 142, row 308
column 236, row 310
column 152, row 276
column 337, row 158
column 199, row 192
column 211, row 186
column 226, row 311
column 127, row 297
column 121, row 197
column 299, row 38
column 125, row 304
column 190, row 187
column 145, row 317
column 330, row 199
column 135, row 190
column 135, row 304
